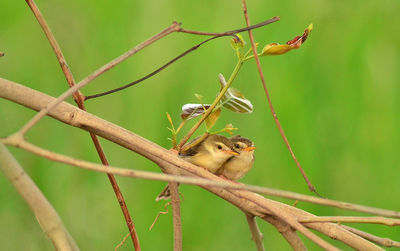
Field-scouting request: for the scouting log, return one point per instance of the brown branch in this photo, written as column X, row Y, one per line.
column 216, row 35
column 170, row 163
column 150, row 74
column 56, row 48
column 95, row 74
column 352, row 219
column 232, row 32
column 256, row 234
column 47, row 217
column 73, row 116
column 386, row 242
column 78, row 97
column 287, row 232
column 278, row 124
column 176, row 215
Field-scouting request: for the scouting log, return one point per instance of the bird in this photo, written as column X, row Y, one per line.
column 210, row 153
column 236, row 167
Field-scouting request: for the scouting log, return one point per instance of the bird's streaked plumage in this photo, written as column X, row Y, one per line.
column 238, row 166
column 210, row 153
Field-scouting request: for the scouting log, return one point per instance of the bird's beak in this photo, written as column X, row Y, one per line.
column 231, row 152
column 249, row 148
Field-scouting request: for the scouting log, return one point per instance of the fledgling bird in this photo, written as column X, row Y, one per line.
column 211, row 153
column 237, row 166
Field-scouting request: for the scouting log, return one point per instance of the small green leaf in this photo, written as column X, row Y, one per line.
column 212, row 118
column 198, row 97
column 237, row 42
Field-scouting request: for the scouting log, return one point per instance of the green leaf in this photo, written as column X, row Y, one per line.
column 237, row 42
column 212, row 118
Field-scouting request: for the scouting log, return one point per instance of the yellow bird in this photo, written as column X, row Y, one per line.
column 210, row 153
column 237, row 166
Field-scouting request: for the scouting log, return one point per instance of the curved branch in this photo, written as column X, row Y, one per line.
column 47, row 217
column 170, row 163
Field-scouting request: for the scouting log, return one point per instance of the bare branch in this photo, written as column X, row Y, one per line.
column 47, row 217
column 170, row 163
column 278, row 124
column 176, row 215
column 352, row 219
column 232, row 32
column 94, row 75
column 79, row 98
column 216, row 35
column 287, row 232
column 71, row 115
column 386, row 242
column 256, row 234
column 55, row 46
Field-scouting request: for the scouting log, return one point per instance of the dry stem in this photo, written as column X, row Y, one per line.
column 278, row 124
column 352, row 219
column 73, row 116
column 256, row 234
column 78, row 97
column 176, row 215
column 170, row 163
column 386, row 242
column 47, row 217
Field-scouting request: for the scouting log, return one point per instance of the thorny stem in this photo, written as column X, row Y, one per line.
column 278, row 124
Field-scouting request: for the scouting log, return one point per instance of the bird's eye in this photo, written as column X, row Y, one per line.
column 237, row 146
column 219, row 147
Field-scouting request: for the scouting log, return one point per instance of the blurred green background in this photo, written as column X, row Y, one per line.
column 337, row 98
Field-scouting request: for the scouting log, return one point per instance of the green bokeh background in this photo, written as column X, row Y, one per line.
column 337, row 98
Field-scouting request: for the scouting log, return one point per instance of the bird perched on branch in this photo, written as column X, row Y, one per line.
column 237, row 166
column 209, row 151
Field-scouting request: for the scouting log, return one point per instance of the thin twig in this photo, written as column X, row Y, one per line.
column 56, row 48
column 386, row 242
column 150, row 74
column 160, row 213
column 73, row 116
column 46, row 215
column 352, row 219
column 95, row 74
column 216, row 35
column 78, row 97
column 256, row 234
column 278, row 124
column 287, row 232
column 19, row 142
column 232, row 32
column 189, row 180
column 176, row 215
column 122, row 242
